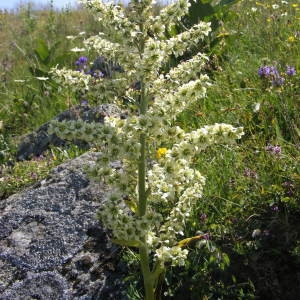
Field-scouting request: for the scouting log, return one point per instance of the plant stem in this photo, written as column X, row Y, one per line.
column 147, row 276
column 142, row 178
column 142, row 206
column 142, row 160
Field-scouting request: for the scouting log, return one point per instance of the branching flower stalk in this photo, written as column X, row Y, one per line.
column 153, row 193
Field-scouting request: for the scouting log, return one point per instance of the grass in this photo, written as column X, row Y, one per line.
column 251, row 204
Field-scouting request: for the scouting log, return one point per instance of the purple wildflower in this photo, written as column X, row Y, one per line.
column 84, row 102
column 206, row 236
column 274, row 72
column 290, row 71
column 289, row 188
column 278, row 81
column 268, row 71
column 203, row 217
column 83, row 60
column 250, row 173
column 98, row 74
column 274, row 208
column 81, row 63
column 276, row 150
column 264, row 71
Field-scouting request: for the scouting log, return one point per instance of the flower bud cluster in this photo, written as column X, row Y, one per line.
column 127, row 226
column 89, row 132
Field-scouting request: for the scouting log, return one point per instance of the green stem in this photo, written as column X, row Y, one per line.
column 142, row 178
column 142, row 159
column 142, row 196
column 147, row 276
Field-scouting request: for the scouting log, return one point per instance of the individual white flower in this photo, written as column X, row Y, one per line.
column 256, row 107
column 76, row 49
column 42, row 78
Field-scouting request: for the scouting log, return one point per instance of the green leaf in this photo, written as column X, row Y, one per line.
column 38, row 72
column 199, row 11
column 42, row 51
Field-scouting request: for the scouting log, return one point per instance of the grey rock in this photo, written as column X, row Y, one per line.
column 52, row 246
column 34, row 144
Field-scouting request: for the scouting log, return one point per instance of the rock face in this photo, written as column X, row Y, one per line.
column 51, row 245
column 36, row 143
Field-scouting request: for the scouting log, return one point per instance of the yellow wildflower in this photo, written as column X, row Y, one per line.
column 291, row 39
column 161, row 152
column 295, row 5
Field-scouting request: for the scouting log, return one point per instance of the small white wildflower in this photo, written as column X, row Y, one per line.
column 254, row 9
column 256, row 107
column 42, row 78
column 81, row 33
column 275, row 6
column 76, row 49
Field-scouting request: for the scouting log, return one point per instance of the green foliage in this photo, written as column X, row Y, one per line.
column 36, row 43
column 208, row 10
column 252, row 203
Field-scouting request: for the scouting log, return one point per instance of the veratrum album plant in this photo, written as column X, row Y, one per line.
column 152, row 195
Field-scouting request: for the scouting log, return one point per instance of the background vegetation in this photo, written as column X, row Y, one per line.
column 251, row 209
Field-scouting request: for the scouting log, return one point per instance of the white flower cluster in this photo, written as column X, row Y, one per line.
column 109, row 14
column 176, row 255
column 102, row 45
column 184, row 72
column 155, row 186
column 172, row 13
column 180, row 43
column 174, row 102
column 72, row 79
